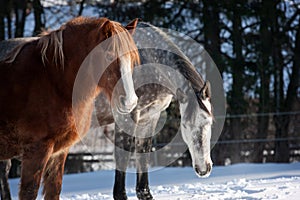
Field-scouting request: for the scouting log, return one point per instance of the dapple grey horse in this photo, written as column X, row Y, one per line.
column 165, row 72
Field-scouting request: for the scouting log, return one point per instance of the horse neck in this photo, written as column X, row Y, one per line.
column 184, row 65
column 75, row 54
column 173, row 56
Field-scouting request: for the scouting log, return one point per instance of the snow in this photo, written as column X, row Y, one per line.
column 240, row 181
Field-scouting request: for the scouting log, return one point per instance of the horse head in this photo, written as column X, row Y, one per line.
column 122, row 56
column 196, row 124
column 103, row 51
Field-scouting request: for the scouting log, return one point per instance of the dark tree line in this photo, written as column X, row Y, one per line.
column 255, row 44
column 16, row 11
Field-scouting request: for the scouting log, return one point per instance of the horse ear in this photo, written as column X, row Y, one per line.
column 205, row 91
column 106, row 28
column 131, row 26
column 182, row 98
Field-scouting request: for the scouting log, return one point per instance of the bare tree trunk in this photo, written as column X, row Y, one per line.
column 5, row 9
column 20, row 11
column 262, row 120
column 38, row 12
column 237, row 102
column 212, row 44
column 292, row 98
column 81, row 7
column 211, row 30
column 264, row 77
column 2, row 16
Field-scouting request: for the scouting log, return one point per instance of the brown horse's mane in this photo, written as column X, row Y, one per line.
column 53, row 39
column 122, row 42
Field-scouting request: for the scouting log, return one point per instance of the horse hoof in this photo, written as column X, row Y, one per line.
column 120, row 197
column 144, row 194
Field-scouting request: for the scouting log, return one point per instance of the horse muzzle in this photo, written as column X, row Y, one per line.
column 126, row 105
column 204, row 171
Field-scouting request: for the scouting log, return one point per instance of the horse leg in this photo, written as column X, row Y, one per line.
column 53, row 174
column 123, row 149
column 4, row 185
column 143, row 147
column 143, row 157
column 34, row 160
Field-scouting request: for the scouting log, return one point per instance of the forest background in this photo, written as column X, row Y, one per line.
column 254, row 43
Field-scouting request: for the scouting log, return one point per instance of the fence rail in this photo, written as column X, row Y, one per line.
column 184, row 159
column 84, row 162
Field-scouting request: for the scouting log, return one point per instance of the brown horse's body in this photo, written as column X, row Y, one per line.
column 39, row 116
column 32, row 110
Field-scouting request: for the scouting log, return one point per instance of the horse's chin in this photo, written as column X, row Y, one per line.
column 123, row 111
column 202, row 175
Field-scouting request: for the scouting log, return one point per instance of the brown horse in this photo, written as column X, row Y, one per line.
column 40, row 117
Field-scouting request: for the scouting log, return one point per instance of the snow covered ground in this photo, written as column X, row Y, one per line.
column 240, row 181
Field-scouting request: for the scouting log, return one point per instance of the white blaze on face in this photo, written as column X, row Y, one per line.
column 130, row 100
column 207, row 104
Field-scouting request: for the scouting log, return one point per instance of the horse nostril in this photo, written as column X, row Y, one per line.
column 197, row 169
column 199, row 172
column 208, row 167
